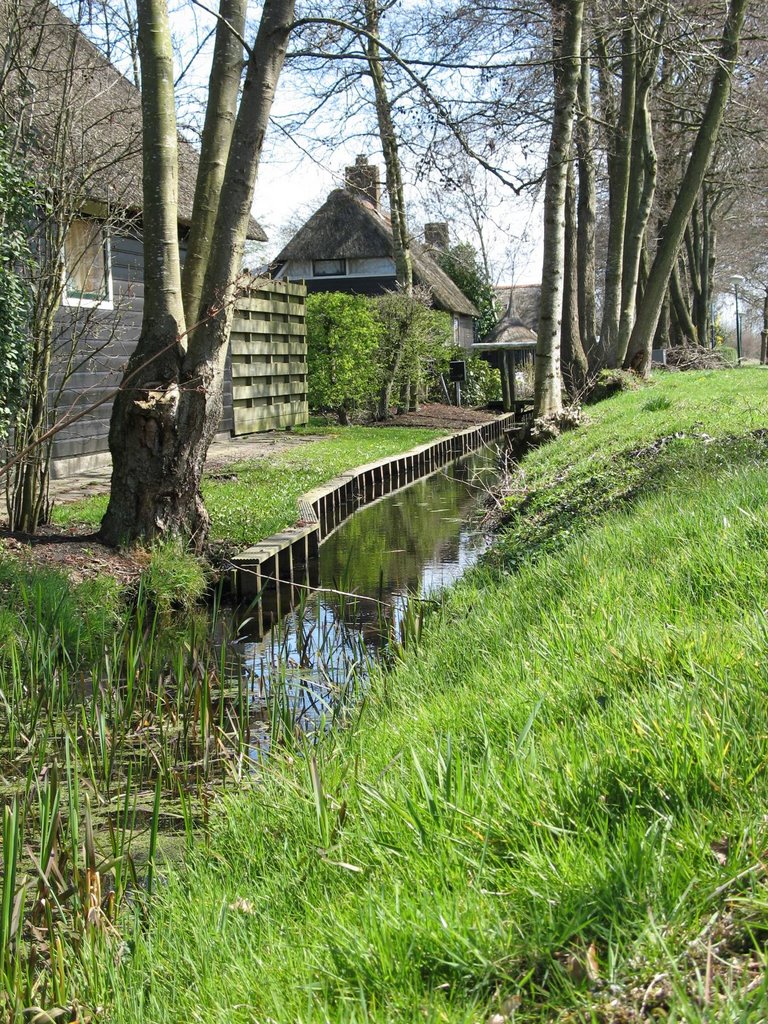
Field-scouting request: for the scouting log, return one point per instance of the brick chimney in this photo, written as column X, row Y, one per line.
column 362, row 180
column 436, row 235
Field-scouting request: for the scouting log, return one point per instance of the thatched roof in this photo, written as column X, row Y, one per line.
column 80, row 119
column 348, row 228
column 522, row 301
column 509, row 332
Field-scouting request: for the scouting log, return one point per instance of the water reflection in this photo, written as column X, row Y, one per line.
column 374, row 571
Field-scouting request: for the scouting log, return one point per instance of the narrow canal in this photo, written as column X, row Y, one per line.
column 375, row 574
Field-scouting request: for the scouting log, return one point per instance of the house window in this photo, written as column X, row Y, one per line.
column 329, row 268
column 86, row 264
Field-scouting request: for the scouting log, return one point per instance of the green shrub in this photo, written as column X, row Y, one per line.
column 728, row 354
column 343, row 338
column 173, row 578
column 483, row 383
column 416, row 340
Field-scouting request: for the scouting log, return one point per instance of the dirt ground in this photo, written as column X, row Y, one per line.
column 82, row 555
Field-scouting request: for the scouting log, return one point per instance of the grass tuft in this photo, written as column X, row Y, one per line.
column 173, row 579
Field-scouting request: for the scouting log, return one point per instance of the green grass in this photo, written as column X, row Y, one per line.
column 44, row 604
column 249, row 501
column 572, row 760
column 684, row 424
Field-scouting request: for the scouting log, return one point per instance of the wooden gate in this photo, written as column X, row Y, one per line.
column 269, row 358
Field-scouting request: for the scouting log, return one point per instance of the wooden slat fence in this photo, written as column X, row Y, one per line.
column 269, row 358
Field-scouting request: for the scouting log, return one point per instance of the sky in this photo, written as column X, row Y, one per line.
column 300, row 168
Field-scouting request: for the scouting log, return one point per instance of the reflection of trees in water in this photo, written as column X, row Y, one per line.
column 327, row 644
column 382, row 550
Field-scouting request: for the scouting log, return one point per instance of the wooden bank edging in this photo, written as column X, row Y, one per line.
column 284, row 557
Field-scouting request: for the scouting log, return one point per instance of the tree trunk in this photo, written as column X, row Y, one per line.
column 641, row 341
column 567, row 21
column 220, row 114
column 619, row 165
column 764, row 332
column 169, row 405
column 586, row 215
column 640, row 202
column 682, row 309
column 574, row 362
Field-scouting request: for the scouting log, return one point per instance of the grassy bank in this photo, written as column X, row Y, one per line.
column 251, row 500
column 554, row 808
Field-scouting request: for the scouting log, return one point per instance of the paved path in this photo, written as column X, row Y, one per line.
column 235, row 449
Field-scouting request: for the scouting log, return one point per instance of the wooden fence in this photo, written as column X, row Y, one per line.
column 268, row 348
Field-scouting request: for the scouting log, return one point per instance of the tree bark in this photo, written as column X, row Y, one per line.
column 639, row 204
column 764, row 332
column 619, row 165
column 220, row 114
column 681, row 306
column 169, row 405
column 586, row 215
column 574, row 361
column 641, row 341
column 567, row 18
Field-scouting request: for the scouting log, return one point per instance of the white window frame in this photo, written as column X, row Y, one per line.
column 81, row 302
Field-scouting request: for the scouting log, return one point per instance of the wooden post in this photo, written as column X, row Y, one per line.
column 506, row 399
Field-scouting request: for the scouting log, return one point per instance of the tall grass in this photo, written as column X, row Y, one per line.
column 111, row 753
column 553, row 809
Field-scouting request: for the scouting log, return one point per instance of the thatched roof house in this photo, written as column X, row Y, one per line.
column 509, row 332
column 347, row 245
column 522, row 301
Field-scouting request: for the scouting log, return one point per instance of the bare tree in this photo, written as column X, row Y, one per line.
column 649, row 309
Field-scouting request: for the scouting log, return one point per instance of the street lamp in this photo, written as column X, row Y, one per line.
column 737, row 279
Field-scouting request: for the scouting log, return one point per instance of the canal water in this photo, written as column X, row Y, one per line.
column 376, row 575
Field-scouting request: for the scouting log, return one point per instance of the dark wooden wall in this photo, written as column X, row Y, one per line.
column 92, row 348
column 96, row 344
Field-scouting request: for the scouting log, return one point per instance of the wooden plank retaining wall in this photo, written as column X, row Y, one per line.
column 282, row 563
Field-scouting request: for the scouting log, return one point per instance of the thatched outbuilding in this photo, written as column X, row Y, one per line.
column 347, row 246
column 506, row 347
